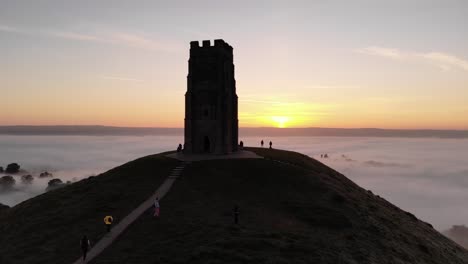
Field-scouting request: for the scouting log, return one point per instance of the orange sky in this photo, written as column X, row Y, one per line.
column 311, row 64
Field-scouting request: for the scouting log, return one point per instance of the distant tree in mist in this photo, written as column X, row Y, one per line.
column 12, row 168
column 459, row 234
column 45, row 174
column 54, row 184
column 27, row 178
column 7, row 182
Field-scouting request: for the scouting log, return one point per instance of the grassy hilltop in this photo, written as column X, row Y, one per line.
column 294, row 211
column 47, row 228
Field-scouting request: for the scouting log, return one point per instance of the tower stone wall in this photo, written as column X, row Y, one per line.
column 211, row 120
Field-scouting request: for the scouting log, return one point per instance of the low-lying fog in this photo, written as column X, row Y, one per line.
column 70, row 158
column 426, row 176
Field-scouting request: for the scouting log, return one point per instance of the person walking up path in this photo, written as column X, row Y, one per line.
column 108, row 222
column 85, row 245
column 156, row 207
column 129, row 219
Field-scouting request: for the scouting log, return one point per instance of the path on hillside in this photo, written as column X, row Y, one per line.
column 130, row 218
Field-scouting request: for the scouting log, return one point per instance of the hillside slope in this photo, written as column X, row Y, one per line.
column 48, row 228
column 293, row 211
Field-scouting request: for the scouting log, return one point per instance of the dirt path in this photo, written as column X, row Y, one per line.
column 129, row 219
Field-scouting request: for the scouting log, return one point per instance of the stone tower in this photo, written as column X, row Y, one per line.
column 211, row 123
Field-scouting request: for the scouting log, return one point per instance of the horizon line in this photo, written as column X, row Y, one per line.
column 245, row 127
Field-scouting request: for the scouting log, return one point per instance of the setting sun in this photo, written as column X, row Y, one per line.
column 280, row 120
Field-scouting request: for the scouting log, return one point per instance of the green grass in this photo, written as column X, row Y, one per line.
column 48, row 228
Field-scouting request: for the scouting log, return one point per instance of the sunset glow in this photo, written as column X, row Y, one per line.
column 280, row 121
column 311, row 64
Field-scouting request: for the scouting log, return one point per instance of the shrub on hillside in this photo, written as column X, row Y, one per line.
column 54, row 184
column 7, row 182
column 3, row 208
column 27, row 178
column 12, row 168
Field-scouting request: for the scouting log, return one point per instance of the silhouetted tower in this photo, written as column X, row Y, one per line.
column 211, row 124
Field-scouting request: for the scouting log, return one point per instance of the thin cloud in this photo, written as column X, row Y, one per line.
column 9, row 29
column 117, row 78
column 75, row 36
column 328, row 87
column 141, row 41
column 265, row 102
column 444, row 61
column 382, row 52
column 129, row 39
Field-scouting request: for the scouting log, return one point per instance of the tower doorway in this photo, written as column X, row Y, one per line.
column 206, row 145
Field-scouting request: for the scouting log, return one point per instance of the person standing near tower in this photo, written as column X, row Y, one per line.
column 271, row 144
column 261, row 143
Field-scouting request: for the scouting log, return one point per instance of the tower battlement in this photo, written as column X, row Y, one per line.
column 218, row 43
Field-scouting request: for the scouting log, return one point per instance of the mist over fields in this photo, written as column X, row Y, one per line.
column 426, row 176
column 70, row 157
column 245, row 131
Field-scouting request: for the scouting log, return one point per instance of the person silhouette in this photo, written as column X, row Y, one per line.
column 261, row 143
column 271, row 144
column 179, row 148
column 85, row 245
column 241, row 145
column 156, row 207
column 108, row 222
column 236, row 214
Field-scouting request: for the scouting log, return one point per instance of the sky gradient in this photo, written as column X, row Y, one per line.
column 386, row 64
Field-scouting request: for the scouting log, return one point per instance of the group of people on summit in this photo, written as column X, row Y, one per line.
column 241, row 145
column 261, row 144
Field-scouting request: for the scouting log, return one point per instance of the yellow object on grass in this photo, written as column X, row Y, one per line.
column 108, row 220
